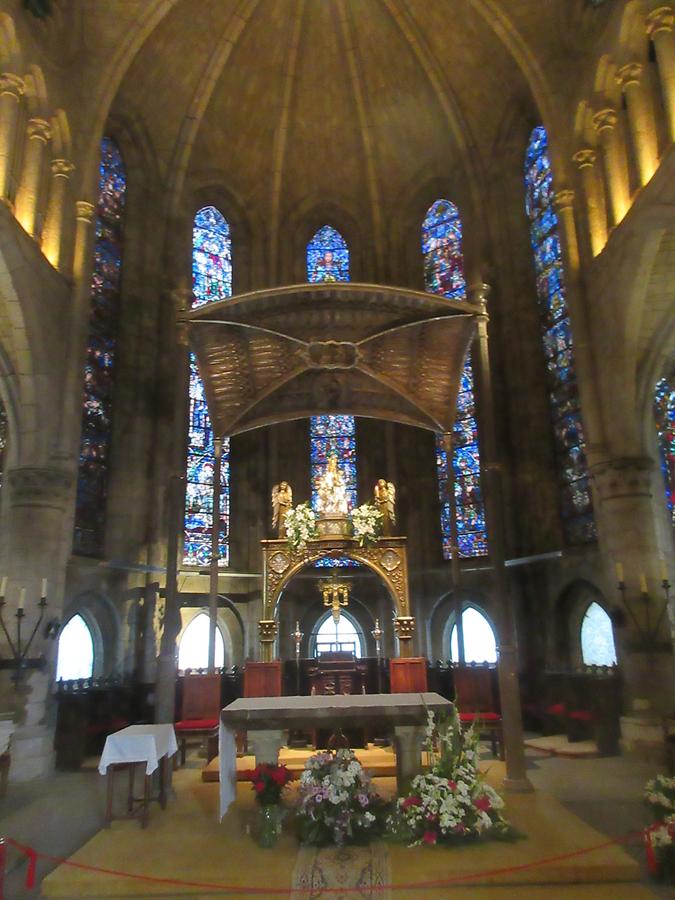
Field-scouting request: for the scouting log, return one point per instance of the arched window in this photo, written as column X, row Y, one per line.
column 211, row 281
column 193, row 650
column 597, row 637
column 328, row 260
column 4, row 435
column 479, row 638
column 664, row 415
column 444, row 275
column 570, row 444
column 75, row 656
column 342, row 636
column 99, row 370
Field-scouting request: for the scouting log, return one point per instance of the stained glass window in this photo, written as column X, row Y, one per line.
column 4, row 432
column 597, row 638
column 576, row 503
column 664, row 414
column 328, row 260
column 211, row 280
column 444, row 274
column 99, row 371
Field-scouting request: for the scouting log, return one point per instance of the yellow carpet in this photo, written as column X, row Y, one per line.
column 186, row 842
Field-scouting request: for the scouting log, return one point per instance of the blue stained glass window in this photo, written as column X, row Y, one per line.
column 211, row 281
column 664, row 414
column 570, row 444
column 4, row 432
column 444, row 274
column 99, row 370
column 328, row 260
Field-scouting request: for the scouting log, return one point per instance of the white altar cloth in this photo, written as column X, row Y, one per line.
column 139, row 743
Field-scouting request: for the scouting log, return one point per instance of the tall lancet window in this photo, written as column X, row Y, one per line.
column 211, row 281
column 444, row 274
column 328, row 260
column 99, row 370
column 664, row 414
column 570, row 445
column 4, row 434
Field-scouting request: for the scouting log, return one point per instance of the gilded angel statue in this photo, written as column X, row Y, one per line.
column 282, row 501
column 385, row 500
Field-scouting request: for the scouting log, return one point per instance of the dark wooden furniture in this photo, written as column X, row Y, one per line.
column 337, row 673
column 200, row 709
column 262, row 679
column 136, row 807
column 477, row 699
column 408, row 676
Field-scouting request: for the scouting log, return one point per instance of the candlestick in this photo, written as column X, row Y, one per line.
column 619, row 572
column 22, row 598
column 643, row 583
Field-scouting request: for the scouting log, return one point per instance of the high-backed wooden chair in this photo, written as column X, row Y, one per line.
column 477, row 699
column 200, row 709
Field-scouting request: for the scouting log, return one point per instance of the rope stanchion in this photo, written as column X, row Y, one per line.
column 32, row 856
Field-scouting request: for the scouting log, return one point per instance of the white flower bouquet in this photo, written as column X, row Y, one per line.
column 367, row 521
column 450, row 802
column 660, row 836
column 300, row 526
column 338, row 803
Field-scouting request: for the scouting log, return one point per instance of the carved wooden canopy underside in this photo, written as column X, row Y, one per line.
column 287, row 353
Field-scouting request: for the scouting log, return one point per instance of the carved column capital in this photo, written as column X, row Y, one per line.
column 605, row 119
column 626, row 476
column 38, row 130
column 85, row 211
column 563, row 199
column 11, row 84
column 629, row 74
column 61, row 168
column 585, row 158
column 39, row 486
column 661, row 19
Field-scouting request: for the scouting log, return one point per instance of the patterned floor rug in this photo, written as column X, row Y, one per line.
column 323, row 874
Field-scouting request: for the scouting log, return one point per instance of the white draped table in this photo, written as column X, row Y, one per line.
column 268, row 719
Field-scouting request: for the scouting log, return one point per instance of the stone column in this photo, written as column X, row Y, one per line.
column 595, row 201
column 215, row 553
column 563, row 203
column 52, row 233
column 628, row 537
column 660, row 29
column 26, row 209
column 613, row 160
column 11, row 89
column 640, row 119
column 39, row 500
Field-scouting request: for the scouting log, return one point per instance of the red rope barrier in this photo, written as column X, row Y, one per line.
column 32, row 856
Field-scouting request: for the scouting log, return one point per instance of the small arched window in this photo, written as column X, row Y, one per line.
column 479, row 638
column 342, row 636
column 75, row 657
column 597, row 637
column 193, row 650
column 327, row 256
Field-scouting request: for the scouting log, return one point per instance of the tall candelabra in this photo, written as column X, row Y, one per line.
column 297, row 636
column 377, row 635
column 20, row 661
column 647, row 634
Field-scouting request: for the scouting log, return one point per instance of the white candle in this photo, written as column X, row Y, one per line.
column 22, row 598
column 3, row 587
column 619, row 572
column 664, row 570
column 43, row 592
column 643, row 583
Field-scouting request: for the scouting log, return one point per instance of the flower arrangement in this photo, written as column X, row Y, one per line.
column 300, row 524
column 451, row 801
column 660, row 836
column 367, row 521
column 337, row 801
column 268, row 782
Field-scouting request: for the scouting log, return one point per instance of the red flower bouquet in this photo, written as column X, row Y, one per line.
column 268, row 782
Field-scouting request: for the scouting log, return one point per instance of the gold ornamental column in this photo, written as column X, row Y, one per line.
column 516, row 777
column 52, row 234
column 404, row 626
column 267, row 633
column 615, row 168
column 563, row 203
column 595, row 201
column 38, row 134
column 660, row 23
column 11, row 90
column 640, row 119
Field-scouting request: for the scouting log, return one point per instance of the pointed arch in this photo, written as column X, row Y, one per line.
column 568, row 433
column 327, row 256
column 211, row 281
column 480, row 644
column 193, row 648
column 664, row 419
column 444, row 275
column 597, row 637
column 345, row 635
column 75, row 653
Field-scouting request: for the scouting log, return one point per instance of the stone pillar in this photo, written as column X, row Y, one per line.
column 613, row 160
column 563, row 202
column 629, row 540
column 215, row 553
column 640, row 119
column 660, row 29
column 595, row 201
column 52, row 233
column 26, row 208
column 39, row 499
column 11, row 89
column 408, row 744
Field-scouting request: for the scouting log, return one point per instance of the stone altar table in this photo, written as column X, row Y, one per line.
column 268, row 719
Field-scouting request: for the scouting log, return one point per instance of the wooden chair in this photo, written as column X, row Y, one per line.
column 200, row 709
column 477, row 700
